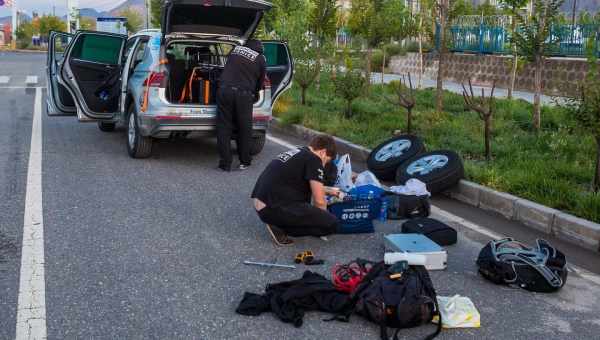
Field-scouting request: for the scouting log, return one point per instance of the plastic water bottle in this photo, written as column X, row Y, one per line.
column 370, row 196
column 383, row 210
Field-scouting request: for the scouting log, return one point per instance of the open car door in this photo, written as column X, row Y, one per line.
column 280, row 67
column 59, row 101
column 91, row 71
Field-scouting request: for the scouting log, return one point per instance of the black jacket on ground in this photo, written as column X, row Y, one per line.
column 246, row 67
column 289, row 300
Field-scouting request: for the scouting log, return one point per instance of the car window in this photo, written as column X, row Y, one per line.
column 140, row 52
column 128, row 47
column 276, row 54
column 98, row 48
column 60, row 44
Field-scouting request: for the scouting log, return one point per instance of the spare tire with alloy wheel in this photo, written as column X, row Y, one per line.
column 439, row 170
column 138, row 146
column 385, row 159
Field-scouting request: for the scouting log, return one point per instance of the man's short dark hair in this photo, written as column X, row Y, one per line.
column 324, row 142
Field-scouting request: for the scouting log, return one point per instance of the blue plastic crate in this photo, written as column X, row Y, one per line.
column 356, row 215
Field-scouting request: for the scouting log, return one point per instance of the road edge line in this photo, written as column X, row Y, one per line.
column 31, row 308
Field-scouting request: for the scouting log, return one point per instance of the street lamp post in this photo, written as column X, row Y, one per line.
column 13, row 41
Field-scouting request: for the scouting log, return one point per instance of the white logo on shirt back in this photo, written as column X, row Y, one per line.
column 284, row 157
column 245, row 52
column 321, row 174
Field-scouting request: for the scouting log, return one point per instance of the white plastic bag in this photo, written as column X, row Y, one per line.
column 458, row 312
column 365, row 178
column 412, row 187
column 344, row 173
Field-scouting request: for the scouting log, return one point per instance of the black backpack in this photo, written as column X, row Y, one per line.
column 405, row 302
column 540, row 269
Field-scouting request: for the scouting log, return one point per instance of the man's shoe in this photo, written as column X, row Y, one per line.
column 279, row 236
column 243, row 167
column 225, row 168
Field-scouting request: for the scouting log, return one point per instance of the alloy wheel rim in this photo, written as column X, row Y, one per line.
column 426, row 165
column 392, row 150
column 131, row 130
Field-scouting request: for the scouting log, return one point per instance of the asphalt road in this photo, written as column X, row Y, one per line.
column 154, row 248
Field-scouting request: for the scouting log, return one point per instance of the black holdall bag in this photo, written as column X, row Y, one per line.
column 435, row 230
column 403, row 302
column 541, row 269
column 401, row 207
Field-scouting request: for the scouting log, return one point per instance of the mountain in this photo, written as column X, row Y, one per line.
column 5, row 20
column 137, row 5
column 90, row 12
column 591, row 6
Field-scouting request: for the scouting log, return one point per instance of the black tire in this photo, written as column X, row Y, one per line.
column 258, row 143
column 106, row 127
column 385, row 166
column 138, row 146
column 439, row 179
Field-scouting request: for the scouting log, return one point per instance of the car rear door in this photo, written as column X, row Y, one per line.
column 280, row 67
column 59, row 101
column 91, row 71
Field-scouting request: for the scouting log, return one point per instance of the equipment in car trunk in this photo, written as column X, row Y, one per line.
column 436, row 258
column 201, row 87
column 407, row 206
column 540, row 269
column 435, row 230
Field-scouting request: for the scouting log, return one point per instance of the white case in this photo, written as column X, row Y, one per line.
column 436, row 257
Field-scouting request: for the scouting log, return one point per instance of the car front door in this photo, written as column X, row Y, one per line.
column 91, row 71
column 280, row 67
column 59, row 101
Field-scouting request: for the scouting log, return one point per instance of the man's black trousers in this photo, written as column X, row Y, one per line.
column 234, row 112
column 300, row 219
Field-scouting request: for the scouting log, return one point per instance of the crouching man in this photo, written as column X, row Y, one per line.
column 283, row 193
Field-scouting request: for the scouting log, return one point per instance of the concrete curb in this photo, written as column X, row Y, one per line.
column 549, row 221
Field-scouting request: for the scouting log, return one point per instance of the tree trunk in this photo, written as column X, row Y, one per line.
column 303, row 95
column 368, row 69
column 408, row 121
column 383, row 68
column 348, row 109
column 420, row 83
column 539, row 65
column 513, row 74
column 439, row 105
column 318, row 80
column 488, row 137
column 596, row 184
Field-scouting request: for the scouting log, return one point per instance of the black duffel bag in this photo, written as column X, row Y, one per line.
column 401, row 207
column 540, row 269
column 435, row 230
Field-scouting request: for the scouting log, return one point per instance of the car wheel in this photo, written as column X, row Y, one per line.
column 439, row 170
column 258, row 143
column 106, row 127
column 385, row 159
column 138, row 146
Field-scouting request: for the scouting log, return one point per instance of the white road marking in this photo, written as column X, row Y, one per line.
column 4, row 79
column 31, row 80
column 31, row 310
column 281, row 142
column 21, row 87
column 467, row 224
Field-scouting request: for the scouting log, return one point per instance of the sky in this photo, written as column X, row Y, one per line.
column 46, row 6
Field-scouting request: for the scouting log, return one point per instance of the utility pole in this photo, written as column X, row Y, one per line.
column 148, row 13
column 13, row 41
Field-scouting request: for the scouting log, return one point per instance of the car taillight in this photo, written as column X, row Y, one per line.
column 267, row 83
column 155, row 79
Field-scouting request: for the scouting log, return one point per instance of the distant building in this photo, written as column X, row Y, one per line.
column 345, row 5
column 5, row 34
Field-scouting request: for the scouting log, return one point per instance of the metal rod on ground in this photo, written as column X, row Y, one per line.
column 264, row 264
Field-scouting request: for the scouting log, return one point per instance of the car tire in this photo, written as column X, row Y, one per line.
column 138, row 146
column 258, row 143
column 106, row 127
column 385, row 159
column 443, row 169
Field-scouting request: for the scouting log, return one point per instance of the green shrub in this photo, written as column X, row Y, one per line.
column 349, row 85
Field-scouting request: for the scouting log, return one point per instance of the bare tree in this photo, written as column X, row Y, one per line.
column 404, row 97
column 485, row 108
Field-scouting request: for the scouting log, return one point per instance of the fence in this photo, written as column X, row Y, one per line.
column 571, row 41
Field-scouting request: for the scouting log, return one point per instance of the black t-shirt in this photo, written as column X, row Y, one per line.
column 287, row 178
column 245, row 68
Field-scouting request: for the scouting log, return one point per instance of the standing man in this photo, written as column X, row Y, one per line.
column 283, row 193
column 239, row 85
